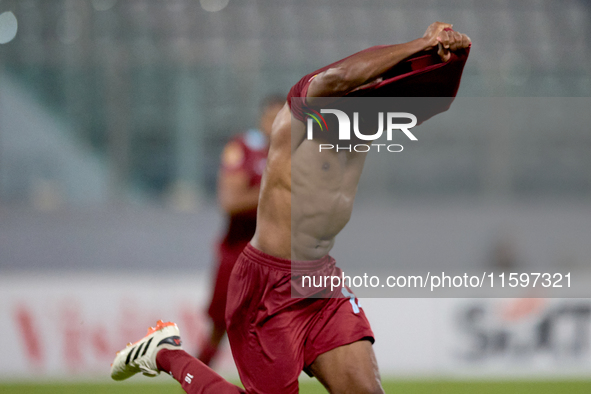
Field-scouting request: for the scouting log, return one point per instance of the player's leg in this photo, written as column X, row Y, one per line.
column 349, row 368
column 160, row 350
column 194, row 376
column 227, row 257
column 264, row 328
column 268, row 361
column 339, row 347
column 210, row 345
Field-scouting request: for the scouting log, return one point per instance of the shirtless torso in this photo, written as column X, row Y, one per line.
column 307, row 196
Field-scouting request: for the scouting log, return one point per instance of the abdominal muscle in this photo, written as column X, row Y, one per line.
column 300, row 217
column 315, row 226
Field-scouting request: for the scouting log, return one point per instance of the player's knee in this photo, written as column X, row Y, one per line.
column 370, row 386
column 359, row 384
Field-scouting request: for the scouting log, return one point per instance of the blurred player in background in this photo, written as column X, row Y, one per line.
column 242, row 165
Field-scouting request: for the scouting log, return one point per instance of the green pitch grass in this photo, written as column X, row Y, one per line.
column 391, row 386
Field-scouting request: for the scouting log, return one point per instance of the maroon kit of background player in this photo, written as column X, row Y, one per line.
column 246, row 153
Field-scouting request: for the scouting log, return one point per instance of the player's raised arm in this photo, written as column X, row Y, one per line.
column 366, row 66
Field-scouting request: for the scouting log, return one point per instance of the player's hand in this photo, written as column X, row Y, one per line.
column 450, row 41
column 431, row 35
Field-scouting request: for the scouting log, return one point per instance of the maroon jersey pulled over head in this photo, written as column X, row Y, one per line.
column 247, row 152
column 420, row 75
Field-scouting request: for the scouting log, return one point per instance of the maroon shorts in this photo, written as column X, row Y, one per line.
column 275, row 336
column 227, row 256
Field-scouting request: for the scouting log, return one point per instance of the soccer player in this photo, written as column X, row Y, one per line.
column 306, row 199
column 243, row 163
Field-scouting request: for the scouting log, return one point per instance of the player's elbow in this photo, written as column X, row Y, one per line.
column 231, row 210
column 236, row 203
column 228, row 205
column 226, row 202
